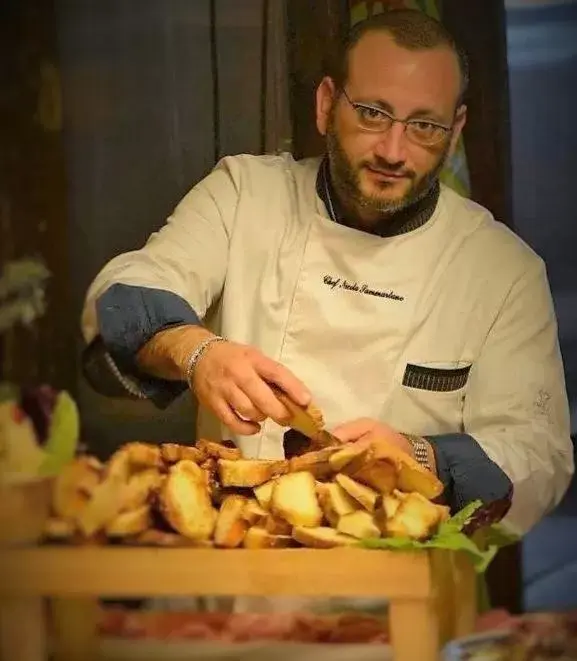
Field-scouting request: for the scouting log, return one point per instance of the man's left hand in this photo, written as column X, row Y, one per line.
column 368, row 431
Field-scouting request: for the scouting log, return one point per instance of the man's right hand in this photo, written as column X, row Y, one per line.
column 230, row 379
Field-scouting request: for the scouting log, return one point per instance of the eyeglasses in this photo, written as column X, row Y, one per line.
column 421, row 132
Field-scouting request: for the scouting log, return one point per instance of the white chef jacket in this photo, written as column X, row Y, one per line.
column 368, row 323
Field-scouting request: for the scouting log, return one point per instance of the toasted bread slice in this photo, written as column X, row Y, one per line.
column 118, row 465
column 144, row 455
column 379, row 474
column 339, row 500
column 172, row 453
column 263, row 493
column 359, row 524
column 411, row 475
column 231, row 526
column 307, row 420
column 185, row 501
column 59, row 530
column 329, row 514
column 321, row 488
column 217, row 450
column 154, row 537
column 364, row 495
column 444, row 512
column 294, row 499
column 249, row 472
column 132, row 457
column 322, row 538
column 350, row 458
column 141, row 487
column 316, row 462
column 73, row 486
column 276, row 526
column 105, row 504
column 254, row 514
column 259, row 538
column 390, row 505
column 416, row 517
column 132, row 522
column 210, row 471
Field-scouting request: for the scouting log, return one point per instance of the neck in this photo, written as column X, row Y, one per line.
column 399, row 222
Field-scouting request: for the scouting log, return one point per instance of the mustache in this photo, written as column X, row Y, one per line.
column 382, row 165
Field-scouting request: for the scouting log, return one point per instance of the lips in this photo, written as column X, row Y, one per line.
column 386, row 173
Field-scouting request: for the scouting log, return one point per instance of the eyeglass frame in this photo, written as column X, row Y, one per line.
column 355, row 105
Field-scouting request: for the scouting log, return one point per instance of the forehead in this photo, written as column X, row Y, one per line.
column 407, row 80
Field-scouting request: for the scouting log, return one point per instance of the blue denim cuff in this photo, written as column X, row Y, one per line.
column 467, row 472
column 128, row 317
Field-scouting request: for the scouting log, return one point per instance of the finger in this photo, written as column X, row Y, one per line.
column 229, row 418
column 281, row 376
column 263, row 398
column 242, row 405
column 354, row 430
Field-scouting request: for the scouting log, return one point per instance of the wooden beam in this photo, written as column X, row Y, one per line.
column 314, row 30
column 33, row 214
column 481, row 29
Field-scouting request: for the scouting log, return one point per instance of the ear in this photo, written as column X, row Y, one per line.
column 460, row 120
column 324, row 102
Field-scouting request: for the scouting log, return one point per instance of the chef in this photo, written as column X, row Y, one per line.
column 406, row 312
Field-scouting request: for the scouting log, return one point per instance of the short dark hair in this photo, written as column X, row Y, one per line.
column 411, row 29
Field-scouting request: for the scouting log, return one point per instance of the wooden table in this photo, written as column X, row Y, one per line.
column 432, row 594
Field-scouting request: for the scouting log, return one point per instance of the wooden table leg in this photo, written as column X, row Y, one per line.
column 23, row 629
column 74, row 627
column 414, row 630
column 465, row 590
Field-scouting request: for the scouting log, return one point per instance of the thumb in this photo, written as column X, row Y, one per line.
column 354, row 430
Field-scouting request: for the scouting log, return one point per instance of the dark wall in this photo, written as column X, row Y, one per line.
column 542, row 46
column 140, row 120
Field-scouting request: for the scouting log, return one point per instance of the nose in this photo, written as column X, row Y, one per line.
column 391, row 145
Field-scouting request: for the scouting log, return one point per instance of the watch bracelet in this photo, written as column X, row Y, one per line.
column 420, row 450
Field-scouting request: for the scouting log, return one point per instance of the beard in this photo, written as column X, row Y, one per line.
column 346, row 180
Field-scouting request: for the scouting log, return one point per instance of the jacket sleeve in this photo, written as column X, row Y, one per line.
column 187, row 257
column 172, row 280
column 516, row 405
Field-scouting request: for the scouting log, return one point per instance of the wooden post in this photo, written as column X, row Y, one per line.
column 22, row 629
column 314, row 30
column 480, row 28
column 74, row 625
column 33, row 208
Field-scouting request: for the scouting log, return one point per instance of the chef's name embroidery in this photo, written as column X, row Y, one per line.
column 340, row 283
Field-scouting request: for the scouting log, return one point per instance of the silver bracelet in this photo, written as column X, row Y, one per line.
column 196, row 355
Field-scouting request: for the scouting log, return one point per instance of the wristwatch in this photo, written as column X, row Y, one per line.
column 420, row 450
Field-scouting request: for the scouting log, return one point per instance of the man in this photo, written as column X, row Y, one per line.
column 406, row 311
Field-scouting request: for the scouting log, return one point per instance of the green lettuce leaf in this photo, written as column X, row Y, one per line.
column 63, row 435
column 481, row 547
column 460, row 520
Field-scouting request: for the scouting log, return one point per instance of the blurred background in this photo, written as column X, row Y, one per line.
column 111, row 110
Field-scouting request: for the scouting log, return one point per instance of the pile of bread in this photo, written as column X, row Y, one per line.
column 208, row 495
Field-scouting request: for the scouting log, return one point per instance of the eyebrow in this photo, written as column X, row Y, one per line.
column 419, row 113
